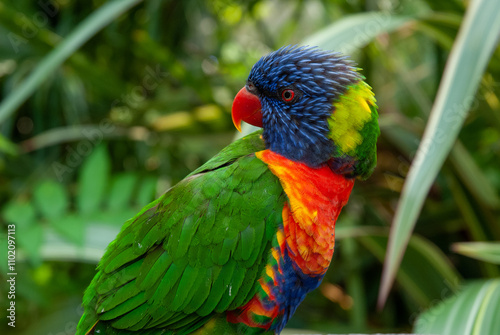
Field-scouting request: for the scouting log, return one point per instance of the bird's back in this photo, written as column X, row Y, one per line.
column 194, row 253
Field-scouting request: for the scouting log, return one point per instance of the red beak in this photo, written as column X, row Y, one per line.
column 246, row 107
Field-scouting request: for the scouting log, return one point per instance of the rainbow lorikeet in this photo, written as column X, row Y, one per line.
column 235, row 246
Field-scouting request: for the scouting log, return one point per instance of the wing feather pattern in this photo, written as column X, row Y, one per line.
column 196, row 251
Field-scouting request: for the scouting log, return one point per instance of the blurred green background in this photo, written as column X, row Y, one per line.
column 147, row 99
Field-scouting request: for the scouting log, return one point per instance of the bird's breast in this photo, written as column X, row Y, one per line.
column 303, row 247
column 315, row 199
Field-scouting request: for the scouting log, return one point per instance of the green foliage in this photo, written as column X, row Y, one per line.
column 67, row 47
column 93, row 181
column 97, row 201
column 49, row 229
column 474, row 45
column 473, row 311
column 51, row 198
column 484, row 251
column 106, row 105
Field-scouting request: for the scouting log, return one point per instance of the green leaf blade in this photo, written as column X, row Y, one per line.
column 474, row 46
column 472, row 311
column 51, row 199
column 422, row 259
column 122, row 189
column 88, row 28
column 355, row 31
column 93, row 180
column 147, row 191
column 484, row 251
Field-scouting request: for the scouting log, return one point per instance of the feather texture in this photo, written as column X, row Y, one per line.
column 235, row 246
column 191, row 254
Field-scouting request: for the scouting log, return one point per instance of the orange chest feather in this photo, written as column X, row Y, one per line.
column 316, row 197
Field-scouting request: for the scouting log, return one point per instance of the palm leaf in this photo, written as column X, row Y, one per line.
column 355, row 31
column 484, row 251
column 471, row 52
column 473, row 311
column 82, row 33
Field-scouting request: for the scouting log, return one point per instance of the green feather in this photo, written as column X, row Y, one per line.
column 124, row 307
column 218, row 288
column 118, row 297
column 231, row 290
column 367, row 151
column 247, row 242
column 148, row 263
column 196, row 251
column 184, row 290
column 206, row 228
column 140, row 315
column 132, row 318
column 168, row 281
column 156, row 272
column 118, row 278
column 203, row 285
column 248, row 289
column 227, row 249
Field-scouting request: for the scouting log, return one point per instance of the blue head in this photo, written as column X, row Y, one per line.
column 314, row 108
column 297, row 87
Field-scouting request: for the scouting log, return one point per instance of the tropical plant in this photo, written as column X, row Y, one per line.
column 106, row 104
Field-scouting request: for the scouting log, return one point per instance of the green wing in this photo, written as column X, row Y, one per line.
column 197, row 250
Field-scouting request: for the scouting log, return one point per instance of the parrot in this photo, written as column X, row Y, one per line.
column 235, row 246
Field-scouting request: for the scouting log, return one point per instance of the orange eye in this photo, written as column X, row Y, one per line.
column 287, row 95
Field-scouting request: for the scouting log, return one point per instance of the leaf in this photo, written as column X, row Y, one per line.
column 82, row 33
column 471, row 52
column 425, row 272
column 147, row 191
column 113, row 217
column 51, row 199
column 8, row 147
column 27, row 233
column 93, row 180
column 468, row 170
column 355, row 31
column 483, row 251
column 96, row 238
column 432, row 25
column 472, row 176
column 31, row 240
column 71, row 226
column 122, row 190
column 292, row 331
column 20, row 213
column 473, row 311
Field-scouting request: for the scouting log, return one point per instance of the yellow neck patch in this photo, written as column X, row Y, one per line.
column 352, row 111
